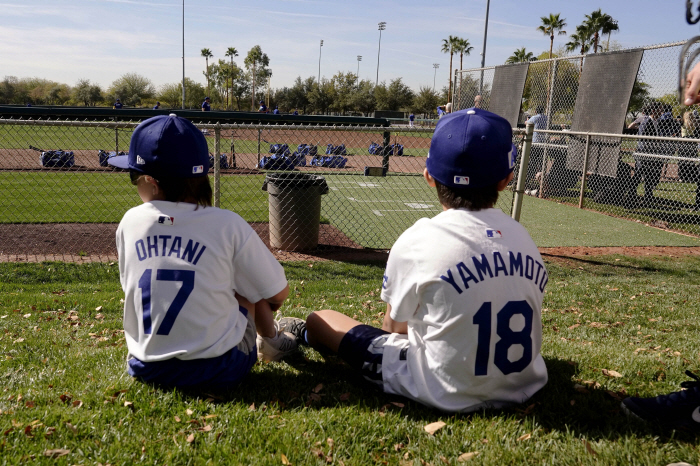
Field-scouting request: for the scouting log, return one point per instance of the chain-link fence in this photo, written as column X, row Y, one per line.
column 311, row 186
column 644, row 168
column 61, row 199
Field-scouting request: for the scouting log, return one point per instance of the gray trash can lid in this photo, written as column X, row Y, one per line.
column 295, row 180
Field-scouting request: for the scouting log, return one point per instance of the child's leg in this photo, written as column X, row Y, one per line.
column 327, row 328
column 265, row 320
column 261, row 314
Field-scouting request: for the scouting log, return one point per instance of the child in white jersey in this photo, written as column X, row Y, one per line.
column 198, row 281
column 462, row 330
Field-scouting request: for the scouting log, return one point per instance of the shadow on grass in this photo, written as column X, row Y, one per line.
column 585, row 409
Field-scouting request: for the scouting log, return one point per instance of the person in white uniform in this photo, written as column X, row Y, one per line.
column 198, row 281
column 462, row 329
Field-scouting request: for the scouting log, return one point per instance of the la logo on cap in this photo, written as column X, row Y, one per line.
column 461, row 180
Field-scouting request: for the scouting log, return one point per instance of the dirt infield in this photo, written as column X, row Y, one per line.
column 57, row 242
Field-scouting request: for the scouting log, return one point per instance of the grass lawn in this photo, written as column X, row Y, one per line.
column 66, row 398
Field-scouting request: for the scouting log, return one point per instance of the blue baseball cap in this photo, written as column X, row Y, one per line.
column 471, row 148
column 166, row 147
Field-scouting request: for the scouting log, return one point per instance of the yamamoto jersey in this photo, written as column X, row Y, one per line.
column 470, row 286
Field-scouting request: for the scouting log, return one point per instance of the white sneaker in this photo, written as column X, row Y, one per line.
column 274, row 349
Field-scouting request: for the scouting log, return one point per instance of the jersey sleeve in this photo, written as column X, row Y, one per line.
column 399, row 286
column 257, row 274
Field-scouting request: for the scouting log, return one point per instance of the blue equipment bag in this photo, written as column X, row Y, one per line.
column 104, row 156
column 335, row 150
column 333, row 161
column 57, row 159
column 307, row 149
column 275, row 162
column 279, row 149
column 223, row 162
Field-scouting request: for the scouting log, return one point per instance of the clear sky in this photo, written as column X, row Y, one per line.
column 100, row 40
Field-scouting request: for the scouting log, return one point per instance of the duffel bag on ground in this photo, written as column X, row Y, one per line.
column 57, row 158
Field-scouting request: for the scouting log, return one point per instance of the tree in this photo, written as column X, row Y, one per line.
column 131, row 88
column 426, row 101
column 396, row 96
column 256, row 58
column 598, row 22
column 170, row 95
column 463, row 48
column 521, row 56
column 344, row 86
column 299, row 93
column 640, row 94
column 551, row 25
column 581, row 38
column 448, row 46
column 321, row 96
column 230, row 52
column 364, row 100
column 88, row 94
column 206, row 53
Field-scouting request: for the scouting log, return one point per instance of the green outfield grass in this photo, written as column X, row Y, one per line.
column 372, row 211
column 66, row 398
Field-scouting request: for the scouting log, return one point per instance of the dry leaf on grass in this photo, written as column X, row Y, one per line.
column 589, row 448
column 284, row 459
column 189, row 412
column 524, row 437
column 318, row 388
column 434, row 427
column 467, row 456
column 190, row 438
column 611, row 373
column 56, row 453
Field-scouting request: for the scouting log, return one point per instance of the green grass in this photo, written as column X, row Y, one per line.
column 64, row 386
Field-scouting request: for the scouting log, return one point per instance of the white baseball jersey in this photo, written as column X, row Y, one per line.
column 179, row 268
column 470, row 286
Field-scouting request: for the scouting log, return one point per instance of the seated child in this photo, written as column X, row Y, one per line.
column 462, row 330
column 198, row 281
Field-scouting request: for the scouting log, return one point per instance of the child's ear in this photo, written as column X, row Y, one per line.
column 504, row 182
column 429, row 179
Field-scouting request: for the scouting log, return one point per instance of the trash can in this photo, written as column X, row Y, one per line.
column 295, row 209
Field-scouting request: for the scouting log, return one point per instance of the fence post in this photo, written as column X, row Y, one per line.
column 584, row 173
column 522, row 172
column 217, row 164
column 386, row 151
column 259, row 136
column 116, row 141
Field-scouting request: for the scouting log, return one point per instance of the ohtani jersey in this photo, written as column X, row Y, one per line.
column 470, row 286
column 179, row 268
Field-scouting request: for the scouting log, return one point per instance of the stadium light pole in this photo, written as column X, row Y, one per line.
column 319, row 63
column 483, row 52
column 183, row 54
column 382, row 26
column 359, row 59
column 436, row 66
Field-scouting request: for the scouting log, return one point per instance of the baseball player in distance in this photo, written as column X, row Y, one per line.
column 198, row 281
column 462, row 329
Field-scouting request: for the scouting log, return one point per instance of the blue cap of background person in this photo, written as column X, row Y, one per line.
column 207, row 98
column 166, row 147
column 471, row 148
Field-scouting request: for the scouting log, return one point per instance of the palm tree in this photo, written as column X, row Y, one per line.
column 598, row 22
column 206, row 53
column 448, row 46
column 550, row 25
column 230, row 52
column 464, row 48
column 581, row 38
column 521, row 56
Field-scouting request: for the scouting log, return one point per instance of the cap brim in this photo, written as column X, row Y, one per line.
column 120, row 161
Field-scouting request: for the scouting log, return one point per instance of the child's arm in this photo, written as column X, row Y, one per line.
column 392, row 326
